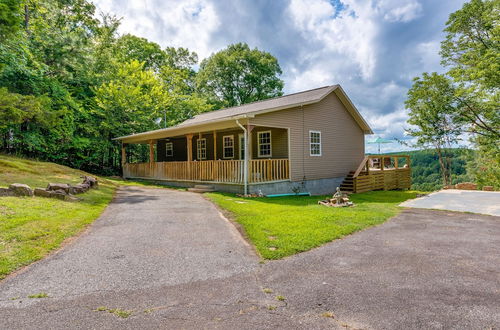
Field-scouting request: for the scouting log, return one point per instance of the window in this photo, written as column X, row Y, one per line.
column 264, row 143
column 201, row 149
column 169, row 149
column 228, row 146
column 315, row 143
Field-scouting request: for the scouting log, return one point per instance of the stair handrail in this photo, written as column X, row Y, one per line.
column 360, row 167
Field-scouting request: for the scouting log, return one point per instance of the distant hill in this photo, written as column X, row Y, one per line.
column 425, row 170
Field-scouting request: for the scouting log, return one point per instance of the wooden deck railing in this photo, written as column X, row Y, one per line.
column 377, row 172
column 226, row 171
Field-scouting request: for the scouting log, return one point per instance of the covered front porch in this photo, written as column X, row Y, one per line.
column 236, row 155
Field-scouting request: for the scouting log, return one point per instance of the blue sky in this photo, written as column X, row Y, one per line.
column 373, row 48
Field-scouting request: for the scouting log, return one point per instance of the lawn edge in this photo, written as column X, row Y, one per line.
column 231, row 218
column 66, row 242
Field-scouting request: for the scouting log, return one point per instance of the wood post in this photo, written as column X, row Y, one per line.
column 215, row 144
column 189, row 139
column 151, row 151
column 396, row 162
column 124, row 154
column 249, row 141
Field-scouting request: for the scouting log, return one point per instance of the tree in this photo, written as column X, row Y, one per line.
column 471, row 50
column 10, row 18
column 432, row 104
column 239, row 75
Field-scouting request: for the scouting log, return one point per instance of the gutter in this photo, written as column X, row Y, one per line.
column 245, row 162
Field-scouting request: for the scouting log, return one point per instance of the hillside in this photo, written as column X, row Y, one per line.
column 31, row 227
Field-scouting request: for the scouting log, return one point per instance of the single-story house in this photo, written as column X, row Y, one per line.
column 307, row 141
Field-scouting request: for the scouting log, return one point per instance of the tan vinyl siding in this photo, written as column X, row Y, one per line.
column 279, row 142
column 342, row 138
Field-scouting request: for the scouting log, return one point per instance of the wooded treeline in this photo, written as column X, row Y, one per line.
column 463, row 103
column 69, row 83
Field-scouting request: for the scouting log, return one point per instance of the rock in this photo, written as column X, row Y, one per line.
column 40, row 192
column 79, row 188
column 4, row 192
column 449, row 187
column 58, row 186
column 466, row 186
column 488, row 188
column 21, row 189
column 91, row 181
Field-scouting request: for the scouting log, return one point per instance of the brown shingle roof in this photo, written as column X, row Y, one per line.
column 274, row 104
column 281, row 102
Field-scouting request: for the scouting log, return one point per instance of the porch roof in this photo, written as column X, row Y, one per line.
column 224, row 118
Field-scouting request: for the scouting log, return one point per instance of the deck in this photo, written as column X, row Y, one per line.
column 380, row 172
column 216, row 171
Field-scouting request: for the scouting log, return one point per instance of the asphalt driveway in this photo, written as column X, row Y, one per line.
column 170, row 259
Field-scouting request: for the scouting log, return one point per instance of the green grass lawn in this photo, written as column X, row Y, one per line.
column 30, row 227
column 282, row 226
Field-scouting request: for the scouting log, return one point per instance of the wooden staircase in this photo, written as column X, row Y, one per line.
column 348, row 184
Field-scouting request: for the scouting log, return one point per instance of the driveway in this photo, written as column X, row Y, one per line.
column 483, row 202
column 174, row 262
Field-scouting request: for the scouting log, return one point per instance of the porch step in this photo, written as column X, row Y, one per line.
column 201, row 188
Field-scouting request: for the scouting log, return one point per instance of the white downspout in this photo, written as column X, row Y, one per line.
column 245, row 164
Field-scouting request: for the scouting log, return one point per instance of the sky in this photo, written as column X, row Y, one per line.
column 373, row 48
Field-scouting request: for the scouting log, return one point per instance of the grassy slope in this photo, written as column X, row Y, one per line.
column 296, row 224
column 31, row 227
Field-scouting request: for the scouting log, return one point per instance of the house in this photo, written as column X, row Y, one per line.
column 307, row 141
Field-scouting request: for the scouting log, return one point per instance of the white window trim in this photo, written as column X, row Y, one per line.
column 171, row 144
column 224, row 146
column 270, row 144
column 311, row 143
column 198, row 150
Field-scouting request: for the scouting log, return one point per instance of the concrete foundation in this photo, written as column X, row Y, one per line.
column 315, row 187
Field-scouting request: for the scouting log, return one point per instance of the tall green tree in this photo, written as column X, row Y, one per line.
column 432, row 104
column 239, row 75
column 10, row 17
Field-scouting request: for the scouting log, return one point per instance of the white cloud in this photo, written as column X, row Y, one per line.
column 400, row 10
column 373, row 48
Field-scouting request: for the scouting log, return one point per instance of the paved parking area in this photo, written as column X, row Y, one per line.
column 483, row 202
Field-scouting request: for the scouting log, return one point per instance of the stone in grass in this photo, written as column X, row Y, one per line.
column 5, row 192
column 58, row 186
column 40, row 192
column 79, row 188
column 21, row 189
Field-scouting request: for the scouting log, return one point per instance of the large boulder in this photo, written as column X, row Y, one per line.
column 4, row 192
column 58, row 186
column 21, row 189
column 91, row 181
column 79, row 188
column 40, row 192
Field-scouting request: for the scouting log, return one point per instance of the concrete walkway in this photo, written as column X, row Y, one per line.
column 169, row 259
column 483, row 202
